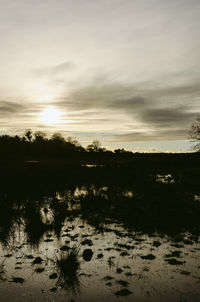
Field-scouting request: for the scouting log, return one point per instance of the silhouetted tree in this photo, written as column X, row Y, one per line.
column 94, row 147
column 57, row 138
column 73, row 141
column 40, row 136
column 28, row 135
column 194, row 132
column 119, row 151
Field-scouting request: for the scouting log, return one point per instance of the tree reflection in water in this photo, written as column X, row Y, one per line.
column 50, row 229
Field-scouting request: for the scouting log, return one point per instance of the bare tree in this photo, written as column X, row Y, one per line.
column 28, row 134
column 40, row 136
column 194, row 133
column 94, row 147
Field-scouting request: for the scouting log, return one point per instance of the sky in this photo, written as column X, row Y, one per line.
column 121, row 71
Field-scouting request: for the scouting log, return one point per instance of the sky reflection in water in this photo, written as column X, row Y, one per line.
column 55, row 246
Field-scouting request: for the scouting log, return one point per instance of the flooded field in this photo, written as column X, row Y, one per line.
column 100, row 243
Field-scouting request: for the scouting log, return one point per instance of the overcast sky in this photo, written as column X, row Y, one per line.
column 126, row 72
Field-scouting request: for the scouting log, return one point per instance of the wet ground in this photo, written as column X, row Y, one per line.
column 68, row 245
column 110, row 264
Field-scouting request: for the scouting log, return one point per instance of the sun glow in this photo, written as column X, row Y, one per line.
column 51, row 115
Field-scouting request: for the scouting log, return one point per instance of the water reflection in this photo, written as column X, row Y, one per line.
column 94, row 240
column 68, row 267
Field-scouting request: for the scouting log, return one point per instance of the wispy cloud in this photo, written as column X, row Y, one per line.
column 8, row 108
column 154, row 135
column 164, row 112
column 54, row 70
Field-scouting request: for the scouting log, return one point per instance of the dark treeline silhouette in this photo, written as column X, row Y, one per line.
column 36, row 155
column 38, row 145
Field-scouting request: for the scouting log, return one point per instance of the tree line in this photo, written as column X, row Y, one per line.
column 38, row 144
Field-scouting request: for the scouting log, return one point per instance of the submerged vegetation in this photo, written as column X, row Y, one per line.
column 139, row 202
column 102, row 230
column 68, row 268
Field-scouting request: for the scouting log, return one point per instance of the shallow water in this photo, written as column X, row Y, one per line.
column 53, row 249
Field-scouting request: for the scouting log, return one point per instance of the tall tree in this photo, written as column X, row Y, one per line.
column 194, row 133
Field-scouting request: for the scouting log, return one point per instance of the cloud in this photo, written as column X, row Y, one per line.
column 54, row 70
column 153, row 150
column 154, row 135
column 167, row 117
column 107, row 96
column 142, row 112
column 164, row 112
column 8, row 108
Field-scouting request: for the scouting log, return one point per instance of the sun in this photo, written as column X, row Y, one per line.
column 50, row 115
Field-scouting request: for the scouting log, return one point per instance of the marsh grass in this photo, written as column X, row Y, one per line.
column 68, row 265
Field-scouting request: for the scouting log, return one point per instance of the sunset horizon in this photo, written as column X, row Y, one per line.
column 123, row 72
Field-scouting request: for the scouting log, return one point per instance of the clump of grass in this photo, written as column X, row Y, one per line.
column 186, row 273
column 68, row 266
column 173, row 261
column 107, row 278
column 37, row 260
column 174, row 254
column 111, row 262
column 123, row 283
column 148, row 257
column 123, row 292
column 18, row 280
column 39, row 270
column 53, row 276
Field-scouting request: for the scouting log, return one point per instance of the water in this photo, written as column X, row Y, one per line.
column 98, row 243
